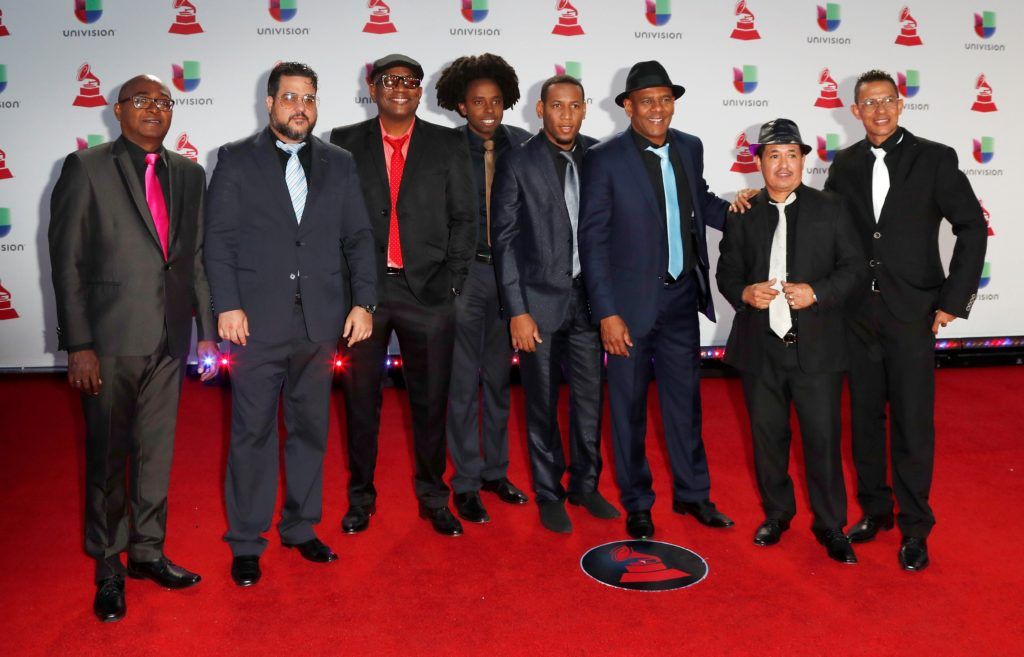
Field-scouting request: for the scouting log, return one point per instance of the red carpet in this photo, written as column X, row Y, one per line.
column 511, row 588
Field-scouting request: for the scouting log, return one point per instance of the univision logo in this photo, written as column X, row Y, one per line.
column 828, row 17
column 474, row 11
column 89, row 141
column 283, row 11
column 909, row 83
column 986, row 275
column 828, row 146
column 984, row 150
column 573, row 69
column 658, row 12
column 5, row 222
column 3, row 77
column 744, row 80
column 88, row 11
column 185, row 77
column 985, row 24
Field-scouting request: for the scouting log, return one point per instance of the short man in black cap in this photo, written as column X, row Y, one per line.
column 787, row 267
column 418, row 185
column 645, row 208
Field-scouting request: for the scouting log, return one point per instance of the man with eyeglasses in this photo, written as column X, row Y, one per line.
column 126, row 246
column 900, row 187
column 419, row 190
column 290, row 259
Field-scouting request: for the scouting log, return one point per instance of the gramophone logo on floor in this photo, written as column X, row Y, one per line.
column 184, row 147
column 3, row 28
column 644, row 565
column 828, row 21
column 985, row 28
column 745, row 29
column 744, row 162
column 88, row 12
column 828, row 96
column 283, row 11
column 983, row 101
column 89, row 93
column 185, row 20
column 658, row 13
column 984, row 212
column 7, row 310
column 908, row 29
column 379, row 21
column 568, row 20
column 82, row 143
column 5, row 173
column 474, row 11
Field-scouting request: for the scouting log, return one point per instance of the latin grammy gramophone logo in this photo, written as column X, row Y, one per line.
column 744, row 162
column 185, row 21
column 908, row 29
column 380, row 18
column 568, row 20
column 184, row 147
column 828, row 97
column 644, row 565
column 89, row 94
column 745, row 29
column 7, row 310
column 3, row 28
column 983, row 102
column 5, row 173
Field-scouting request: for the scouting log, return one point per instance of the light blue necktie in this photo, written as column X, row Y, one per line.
column 295, row 177
column 675, row 238
column 572, row 204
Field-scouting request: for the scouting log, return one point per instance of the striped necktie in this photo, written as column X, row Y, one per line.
column 295, row 177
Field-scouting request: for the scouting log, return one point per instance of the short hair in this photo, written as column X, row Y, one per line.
column 288, row 68
column 874, row 75
column 559, row 79
column 454, row 82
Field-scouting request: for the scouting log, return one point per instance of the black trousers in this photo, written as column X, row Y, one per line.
column 893, row 361
column 482, row 355
column 261, row 372
column 425, row 335
column 770, row 393
column 575, row 349
column 129, row 445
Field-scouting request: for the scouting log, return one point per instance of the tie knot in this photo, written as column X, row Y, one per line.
column 291, row 149
column 789, row 199
column 567, row 155
column 661, row 151
column 488, row 144
column 879, row 153
column 396, row 142
column 151, row 158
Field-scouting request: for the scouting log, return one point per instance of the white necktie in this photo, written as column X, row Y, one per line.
column 879, row 182
column 779, row 318
column 295, row 178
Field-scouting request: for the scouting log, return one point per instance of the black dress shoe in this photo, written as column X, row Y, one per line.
column 868, row 527
column 837, row 545
column 553, row 516
column 505, row 491
column 704, row 511
column 442, row 520
column 245, row 570
column 471, row 508
column 770, row 532
column 639, row 524
column 314, row 550
column 913, row 553
column 163, row 572
column 595, row 504
column 108, row 605
column 357, row 518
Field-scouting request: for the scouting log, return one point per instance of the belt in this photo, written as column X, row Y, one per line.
column 394, row 271
column 298, row 299
column 788, row 339
column 874, row 285
column 669, row 279
column 485, row 258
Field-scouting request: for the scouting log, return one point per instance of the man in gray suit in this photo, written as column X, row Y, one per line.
column 126, row 251
column 291, row 265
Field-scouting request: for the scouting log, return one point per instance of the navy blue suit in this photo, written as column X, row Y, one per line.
column 624, row 255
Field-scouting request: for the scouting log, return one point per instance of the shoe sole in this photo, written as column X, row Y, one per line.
column 138, row 575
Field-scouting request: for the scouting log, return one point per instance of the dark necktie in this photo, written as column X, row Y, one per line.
column 488, row 179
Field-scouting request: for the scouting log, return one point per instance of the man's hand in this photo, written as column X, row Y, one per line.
column 525, row 334
column 742, row 202
column 84, row 371
column 942, row 318
column 233, row 325
column 358, row 325
column 759, row 295
column 615, row 336
column 798, row 295
column 207, row 352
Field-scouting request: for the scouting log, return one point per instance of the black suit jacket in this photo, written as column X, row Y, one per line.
column 114, row 289
column 826, row 255
column 531, row 234
column 437, row 205
column 904, row 244
column 258, row 257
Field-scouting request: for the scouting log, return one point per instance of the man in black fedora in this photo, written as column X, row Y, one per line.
column 787, row 267
column 644, row 210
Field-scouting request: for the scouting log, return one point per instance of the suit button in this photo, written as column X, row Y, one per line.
column 569, row 274
column 383, row 213
column 300, row 244
column 877, row 236
column 872, row 263
column 167, row 267
column 382, row 249
column 291, row 276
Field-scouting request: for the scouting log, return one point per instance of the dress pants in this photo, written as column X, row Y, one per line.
column 129, row 424
column 576, row 347
column 261, row 372
column 483, row 354
column 769, row 393
column 671, row 351
column 425, row 336
column 894, row 361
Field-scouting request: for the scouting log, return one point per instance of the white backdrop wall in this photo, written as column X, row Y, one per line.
column 222, row 50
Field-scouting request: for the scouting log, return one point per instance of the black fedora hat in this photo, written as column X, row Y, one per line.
column 779, row 131
column 648, row 74
column 395, row 60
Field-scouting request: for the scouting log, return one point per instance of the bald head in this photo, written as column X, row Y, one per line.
column 132, row 86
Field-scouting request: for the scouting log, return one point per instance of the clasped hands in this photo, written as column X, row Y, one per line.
column 760, row 295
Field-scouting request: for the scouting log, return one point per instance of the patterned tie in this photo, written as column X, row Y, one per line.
column 879, row 181
column 155, row 201
column 572, row 204
column 295, row 177
column 779, row 318
column 488, row 179
column 675, row 237
column 395, row 181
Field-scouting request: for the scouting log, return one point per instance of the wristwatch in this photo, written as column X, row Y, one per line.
column 456, row 291
column 368, row 308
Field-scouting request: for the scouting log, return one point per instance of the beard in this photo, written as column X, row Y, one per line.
column 290, row 131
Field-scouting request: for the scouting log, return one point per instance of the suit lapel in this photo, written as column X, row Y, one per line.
column 899, row 176
column 315, row 184
column 687, row 159
column 546, row 169
column 270, row 168
column 418, row 145
column 375, row 148
column 803, row 249
column 769, row 221
column 176, row 182
column 123, row 162
column 638, row 172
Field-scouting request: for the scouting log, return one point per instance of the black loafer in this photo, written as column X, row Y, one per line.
column 505, row 490
column 553, row 516
column 639, row 524
column 704, row 511
column 245, row 570
column 163, row 572
column 913, row 553
column 442, row 520
column 837, row 545
column 869, row 526
column 595, row 504
column 471, row 508
column 314, row 550
column 770, row 532
column 357, row 518
column 109, row 605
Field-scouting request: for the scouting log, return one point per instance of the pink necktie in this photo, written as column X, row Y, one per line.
column 155, row 201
